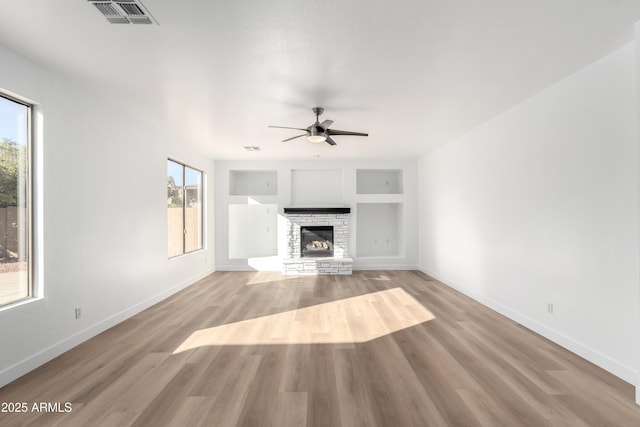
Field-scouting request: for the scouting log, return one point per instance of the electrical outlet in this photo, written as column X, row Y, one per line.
column 78, row 312
column 550, row 307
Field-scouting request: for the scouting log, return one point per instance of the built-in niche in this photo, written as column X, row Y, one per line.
column 379, row 181
column 253, row 183
column 253, row 230
column 379, row 229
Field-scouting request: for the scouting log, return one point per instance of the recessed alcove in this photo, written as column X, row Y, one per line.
column 379, row 181
column 379, row 229
column 253, row 183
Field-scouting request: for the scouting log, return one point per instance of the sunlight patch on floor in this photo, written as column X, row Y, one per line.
column 351, row 320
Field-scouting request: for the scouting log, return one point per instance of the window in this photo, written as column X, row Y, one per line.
column 15, row 201
column 184, row 205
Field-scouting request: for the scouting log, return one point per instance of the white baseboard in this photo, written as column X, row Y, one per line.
column 21, row 368
column 355, row 267
column 383, row 267
column 232, row 267
column 607, row 363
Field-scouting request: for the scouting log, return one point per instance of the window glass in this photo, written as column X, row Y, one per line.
column 193, row 210
column 184, row 203
column 15, row 205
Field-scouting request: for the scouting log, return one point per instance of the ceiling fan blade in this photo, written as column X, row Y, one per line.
column 330, row 141
column 294, row 137
column 344, row 132
column 326, row 124
column 284, row 127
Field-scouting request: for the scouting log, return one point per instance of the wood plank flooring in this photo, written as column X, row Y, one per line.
column 378, row 348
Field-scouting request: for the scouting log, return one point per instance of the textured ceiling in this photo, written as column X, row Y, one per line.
column 413, row 74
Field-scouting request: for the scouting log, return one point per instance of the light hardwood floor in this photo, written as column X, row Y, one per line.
column 383, row 348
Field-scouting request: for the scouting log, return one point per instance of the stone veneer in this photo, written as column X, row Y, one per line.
column 340, row 263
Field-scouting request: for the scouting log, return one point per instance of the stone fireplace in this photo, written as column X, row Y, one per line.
column 317, row 241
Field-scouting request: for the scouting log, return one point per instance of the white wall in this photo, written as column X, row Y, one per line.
column 540, row 205
column 103, row 206
column 334, row 184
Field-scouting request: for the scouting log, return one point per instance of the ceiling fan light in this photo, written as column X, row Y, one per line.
column 315, row 136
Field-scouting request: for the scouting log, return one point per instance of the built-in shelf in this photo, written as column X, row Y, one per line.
column 253, row 183
column 379, row 181
column 379, row 229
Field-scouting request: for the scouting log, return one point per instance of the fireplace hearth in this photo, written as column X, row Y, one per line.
column 316, row 241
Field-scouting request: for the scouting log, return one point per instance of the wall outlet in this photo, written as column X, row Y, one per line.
column 78, row 312
column 550, row 307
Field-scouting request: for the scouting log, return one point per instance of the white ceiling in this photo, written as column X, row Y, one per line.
column 413, row 74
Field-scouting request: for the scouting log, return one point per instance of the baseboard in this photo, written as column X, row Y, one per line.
column 613, row 366
column 384, row 267
column 232, row 267
column 355, row 267
column 19, row 369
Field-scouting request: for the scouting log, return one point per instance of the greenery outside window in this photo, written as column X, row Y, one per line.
column 184, row 208
column 15, row 201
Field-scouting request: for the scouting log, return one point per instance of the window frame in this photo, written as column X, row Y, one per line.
column 201, row 239
column 29, row 200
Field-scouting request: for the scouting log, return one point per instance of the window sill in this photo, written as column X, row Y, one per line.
column 20, row 303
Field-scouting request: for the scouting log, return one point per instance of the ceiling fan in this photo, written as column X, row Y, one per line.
column 320, row 132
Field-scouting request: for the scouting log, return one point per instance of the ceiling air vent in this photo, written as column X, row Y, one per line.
column 140, row 20
column 124, row 11
column 131, row 9
column 107, row 9
column 117, row 20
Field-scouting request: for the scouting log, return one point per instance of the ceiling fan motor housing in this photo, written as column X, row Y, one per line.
column 316, row 134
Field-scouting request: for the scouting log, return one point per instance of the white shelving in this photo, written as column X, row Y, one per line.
column 381, row 196
column 379, row 213
column 252, row 228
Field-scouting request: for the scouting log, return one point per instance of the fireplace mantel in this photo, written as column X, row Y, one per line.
column 312, row 211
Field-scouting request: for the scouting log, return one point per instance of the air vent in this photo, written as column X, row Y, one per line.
column 124, row 11
column 131, row 9
column 107, row 9
column 140, row 20
column 118, row 20
column 252, row 148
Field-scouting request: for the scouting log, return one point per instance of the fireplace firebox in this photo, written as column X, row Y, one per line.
column 316, row 241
